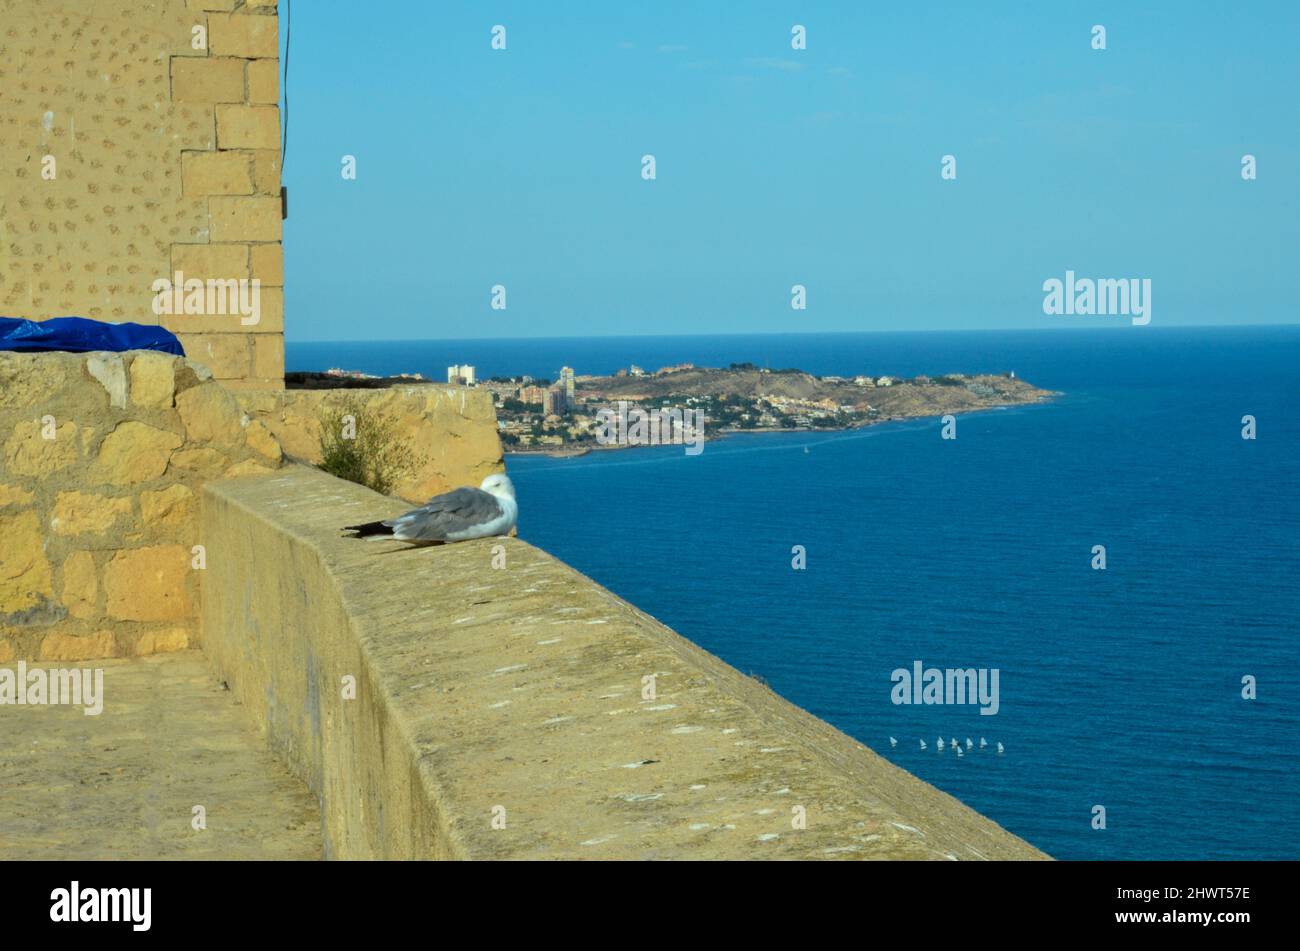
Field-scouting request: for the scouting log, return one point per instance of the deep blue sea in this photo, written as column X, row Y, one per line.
column 1120, row 688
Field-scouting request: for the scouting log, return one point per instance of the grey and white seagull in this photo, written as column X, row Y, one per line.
column 454, row 516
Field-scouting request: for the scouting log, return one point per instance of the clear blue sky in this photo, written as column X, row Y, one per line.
column 477, row 167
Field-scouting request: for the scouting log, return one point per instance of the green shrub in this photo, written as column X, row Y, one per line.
column 364, row 446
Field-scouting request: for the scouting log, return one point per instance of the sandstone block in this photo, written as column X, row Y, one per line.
column 211, row 415
column 248, row 127
column 266, row 171
column 268, row 355
column 268, row 264
column 238, row 34
column 265, row 307
column 153, row 379
column 134, row 452
column 175, row 507
column 204, row 461
column 84, row 513
column 250, row 218
column 216, row 173
column 207, row 79
column 26, row 580
column 163, row 641
column 220, row 261
column 148, row 584
column 264, row 81
column 260, row 440
column 222, row 355
column 72, row 647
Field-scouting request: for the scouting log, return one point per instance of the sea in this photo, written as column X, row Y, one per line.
column 1149, row 709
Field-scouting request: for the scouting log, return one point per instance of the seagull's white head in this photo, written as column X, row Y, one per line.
column 499, row 485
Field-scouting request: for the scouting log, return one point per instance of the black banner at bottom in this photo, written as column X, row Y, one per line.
column 1221, row 900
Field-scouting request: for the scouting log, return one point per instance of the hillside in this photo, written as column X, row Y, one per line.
column 922, row 396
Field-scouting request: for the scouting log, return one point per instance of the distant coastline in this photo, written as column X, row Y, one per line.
column 578, row 452
column 687, row 404
column 683, row 403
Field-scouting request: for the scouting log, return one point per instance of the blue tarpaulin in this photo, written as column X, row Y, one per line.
column 81, row 335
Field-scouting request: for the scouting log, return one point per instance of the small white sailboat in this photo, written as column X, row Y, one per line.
column 954, row 742
column 939, row 743
column 923, row 744
column 960, row 751
column 893, row 742
column 983, row 742
column 969, row 744
column 1000, row 746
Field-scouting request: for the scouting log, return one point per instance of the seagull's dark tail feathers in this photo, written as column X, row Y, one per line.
column 369, row 530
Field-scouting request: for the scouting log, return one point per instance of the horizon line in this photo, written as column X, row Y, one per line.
column 1087, row 328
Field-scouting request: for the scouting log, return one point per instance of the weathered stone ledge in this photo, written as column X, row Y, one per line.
column 503, row 712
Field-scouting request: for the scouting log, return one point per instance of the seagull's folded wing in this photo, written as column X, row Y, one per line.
column 446, row 515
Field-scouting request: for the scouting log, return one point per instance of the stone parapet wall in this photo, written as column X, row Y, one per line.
column 485, row 701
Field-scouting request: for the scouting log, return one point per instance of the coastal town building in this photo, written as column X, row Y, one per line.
column 461, row 374
column 553, row 402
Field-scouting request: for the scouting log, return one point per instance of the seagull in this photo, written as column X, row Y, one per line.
column 983, row 742
column 969, row 744
column 999, row 746
column 893, row 742
column 454, row 516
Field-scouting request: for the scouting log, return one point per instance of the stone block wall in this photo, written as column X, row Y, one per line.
column 451, row 430
column 101, row 459
column 139, row 138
